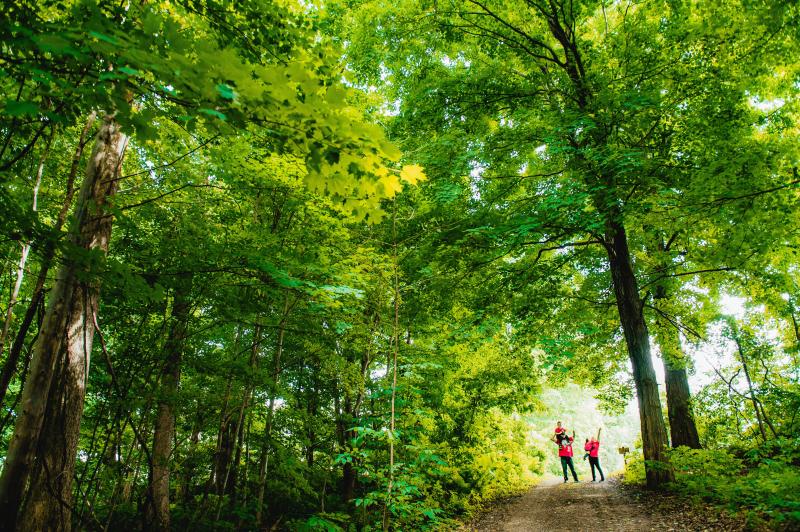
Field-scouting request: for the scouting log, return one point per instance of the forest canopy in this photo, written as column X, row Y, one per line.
column 341, row 265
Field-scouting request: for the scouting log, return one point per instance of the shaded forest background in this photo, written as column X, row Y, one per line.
column 341, row 266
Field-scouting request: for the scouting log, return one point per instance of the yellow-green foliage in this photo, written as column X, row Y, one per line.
column 502, row 460
column 634, row 468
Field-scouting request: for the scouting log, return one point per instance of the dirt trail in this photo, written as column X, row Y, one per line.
column 585, row 506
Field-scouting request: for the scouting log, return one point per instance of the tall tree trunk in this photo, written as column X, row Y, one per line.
column 395, row 351
column 311, row 434
column 212, row 483
column 47, row 260
column 682, row 428
column 224, row 456
column 637, row 338
column 158, row 518
column 607, row 201
column 49, row 422
column 345, row 418
column 233, row 476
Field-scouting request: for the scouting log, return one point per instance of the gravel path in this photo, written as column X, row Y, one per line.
column 586, row 506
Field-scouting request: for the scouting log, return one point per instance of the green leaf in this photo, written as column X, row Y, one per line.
column 103, row 37
column 129, row 71
column 226, row 91
column 13, row 108
column 214, row 113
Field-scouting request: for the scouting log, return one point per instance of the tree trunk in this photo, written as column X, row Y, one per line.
column 626, row 290
column 225, row 454
column 220, row 446
column 165, row 418
column 312, row 410
column 345, row 418
column 637, row 338
column 395, row 351
column 682, row 428
column 49, row 422
column 47, row 260
column 352, row 411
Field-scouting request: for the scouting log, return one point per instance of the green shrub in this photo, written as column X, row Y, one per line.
column 764, row 486
column 634, row 468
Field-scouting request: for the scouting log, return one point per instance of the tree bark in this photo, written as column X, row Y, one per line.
column 224, row 456
column 395, row 351
column 232, row 473
column 159, row 518
column 223, row 427
column 352, row 409
column 682, row 428
column 47, row 259
column 47, row 430
column 637, row 338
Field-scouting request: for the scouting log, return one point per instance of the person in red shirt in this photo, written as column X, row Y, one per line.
column 593, row 448
column 564, row 442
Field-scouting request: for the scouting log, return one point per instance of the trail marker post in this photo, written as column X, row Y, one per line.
column 624, row 452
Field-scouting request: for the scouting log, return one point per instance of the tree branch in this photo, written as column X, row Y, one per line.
column 171, row 163
column 683, row 274
column 674, row 322
column 169, row 192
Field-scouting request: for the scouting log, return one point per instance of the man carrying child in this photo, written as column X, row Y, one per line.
column 564, row 442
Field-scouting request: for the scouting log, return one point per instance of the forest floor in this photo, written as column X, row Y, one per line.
column 554, row 505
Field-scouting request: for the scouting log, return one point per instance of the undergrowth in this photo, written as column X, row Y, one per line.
column 760, row 485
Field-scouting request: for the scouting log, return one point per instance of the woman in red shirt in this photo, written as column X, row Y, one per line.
column 593, row 448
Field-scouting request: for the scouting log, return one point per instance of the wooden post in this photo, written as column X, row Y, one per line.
column 623, row 451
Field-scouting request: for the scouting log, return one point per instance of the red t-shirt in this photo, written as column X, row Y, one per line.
column 565, row 449
column 592, row 447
